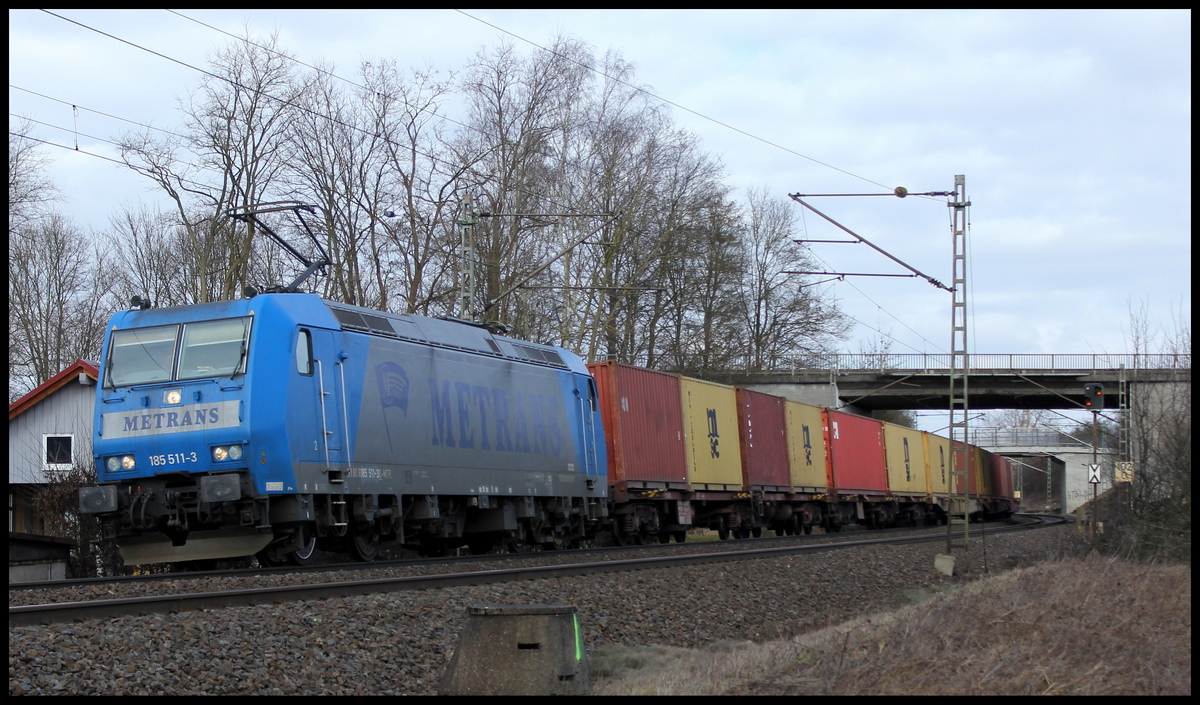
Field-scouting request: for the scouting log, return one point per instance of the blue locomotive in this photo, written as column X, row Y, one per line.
column 277, row 424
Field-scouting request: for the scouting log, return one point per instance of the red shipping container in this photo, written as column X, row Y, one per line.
column 762, row 429
column 856, row 449
column 1002, row 481
column 979, row 463
column 643, row 425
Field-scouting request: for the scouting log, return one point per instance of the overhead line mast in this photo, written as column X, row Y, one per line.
column 960, row 370
column 958, row 495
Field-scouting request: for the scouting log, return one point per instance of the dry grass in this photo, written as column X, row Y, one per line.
column 1083, row 627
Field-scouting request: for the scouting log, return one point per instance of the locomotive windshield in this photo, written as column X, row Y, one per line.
column 213, row 349
column 208, row 349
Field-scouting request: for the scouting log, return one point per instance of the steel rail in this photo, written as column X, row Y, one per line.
column 99, row 609
column 423, row 561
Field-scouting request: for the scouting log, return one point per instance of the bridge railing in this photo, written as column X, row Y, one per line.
column 940, row 362
column 991, row 437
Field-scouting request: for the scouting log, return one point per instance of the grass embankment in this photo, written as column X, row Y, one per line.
column 1095, row 626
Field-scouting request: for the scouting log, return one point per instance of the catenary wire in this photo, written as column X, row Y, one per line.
column 288, row 103
column 335, row 121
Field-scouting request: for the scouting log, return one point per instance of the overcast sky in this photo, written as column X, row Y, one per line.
column 1072, row 129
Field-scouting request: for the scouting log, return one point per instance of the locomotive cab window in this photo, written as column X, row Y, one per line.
column 141, row 356
column 214, row 348
column 304, row 353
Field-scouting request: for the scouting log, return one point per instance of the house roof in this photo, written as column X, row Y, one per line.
column 45, row 389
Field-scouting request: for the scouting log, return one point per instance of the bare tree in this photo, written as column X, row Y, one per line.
column 57, row 501
column 29, row 191
column 235, row 131
column 420, row 188
column 57, row 310
column 520, row 114
column 147, row 248
column 781, row 316
column 1152, row 514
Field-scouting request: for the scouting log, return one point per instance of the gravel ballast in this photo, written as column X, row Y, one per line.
column 399, row 643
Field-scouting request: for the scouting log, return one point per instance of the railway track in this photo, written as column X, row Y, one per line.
column 107, row 608
column 450, row 561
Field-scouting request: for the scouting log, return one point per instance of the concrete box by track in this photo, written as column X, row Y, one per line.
column 519, row 650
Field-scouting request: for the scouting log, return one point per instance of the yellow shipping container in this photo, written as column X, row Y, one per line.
column 711, row 429
column 905, row 459
column 982, row 483
column 938, row 452
column 806, row 447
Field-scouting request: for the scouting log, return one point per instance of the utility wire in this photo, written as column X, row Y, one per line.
column 551, row 51
column 735, row 129
column 343, row 124
column 90, row 110
column 291, row 104
column 672, row 103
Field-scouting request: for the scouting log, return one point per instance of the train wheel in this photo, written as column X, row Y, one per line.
column 308, row 547
column 722, row 529
column 680, row 536
column 808, row 528
column 364, row 545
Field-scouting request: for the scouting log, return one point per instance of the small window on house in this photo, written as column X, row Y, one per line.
column 304, row 353
column 58, row 450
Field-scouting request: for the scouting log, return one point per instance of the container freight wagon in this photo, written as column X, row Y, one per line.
column 643, row 418
column 807, row 448
column 1002, row 485
column 762, row 430
column 648, row 466
column 906, row 461
column 856, row 445
column 859, row 471
column 908, row 475
column 937, row 450
column 721, row 500
column 710, row 430
column 808, row 461
column 978, row 485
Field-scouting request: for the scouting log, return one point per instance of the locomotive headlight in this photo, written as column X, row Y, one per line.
column 128, row 462
column 113, row 463
column 172, row 396
column 230, row 452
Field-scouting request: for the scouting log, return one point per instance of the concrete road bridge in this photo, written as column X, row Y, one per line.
column 997, row 380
